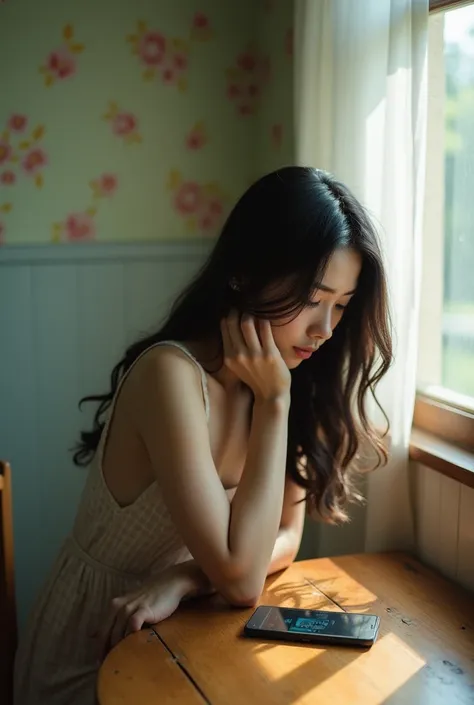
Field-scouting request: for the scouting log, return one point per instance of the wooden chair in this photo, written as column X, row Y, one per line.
column 8, row 625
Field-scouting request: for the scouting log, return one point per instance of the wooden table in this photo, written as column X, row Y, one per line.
column 424, row 654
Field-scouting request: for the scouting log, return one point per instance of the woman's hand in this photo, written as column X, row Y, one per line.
column 153, row 602
column 251, row 354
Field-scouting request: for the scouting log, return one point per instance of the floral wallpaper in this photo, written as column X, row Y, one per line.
column 140, row 120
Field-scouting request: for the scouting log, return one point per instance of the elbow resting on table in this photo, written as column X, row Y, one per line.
column 242, row 591
column 241, row 598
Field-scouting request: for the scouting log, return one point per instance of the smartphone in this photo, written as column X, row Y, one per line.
column 290, row 624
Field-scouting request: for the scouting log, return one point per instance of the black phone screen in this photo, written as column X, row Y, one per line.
column 330, row 625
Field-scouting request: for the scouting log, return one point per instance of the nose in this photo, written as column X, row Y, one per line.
column 321, row 327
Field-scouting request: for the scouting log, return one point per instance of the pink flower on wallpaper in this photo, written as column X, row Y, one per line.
column 61, row 63
column 277, row 134
column 168, row 76
column 7, row 178
column 162, row 56
column 215, row 207
column 246, row 80
column 17, row 123
column 233, row 91
column 152, row 48
column 188, row 198
column 34, row 161
column 79, row 227
column 246, row 109
column 201, row 21
column 124, row 123
column 205, row 222
column 180, row 62
column 5, row 152
column 104, row 187
column 201, row 28
column 108, row 184
column 200, row 205
column 253, row 90
column 211, row 212
column 196, row 137
column 247, row 61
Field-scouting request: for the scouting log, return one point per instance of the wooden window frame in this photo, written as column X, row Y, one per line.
column 440, row 5
column 443, row 439
column 449, row 423
column 443, row 431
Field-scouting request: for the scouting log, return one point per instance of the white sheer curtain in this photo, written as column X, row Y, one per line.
column 360, row 112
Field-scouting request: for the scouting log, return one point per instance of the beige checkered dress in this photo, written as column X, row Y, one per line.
column 109, row 551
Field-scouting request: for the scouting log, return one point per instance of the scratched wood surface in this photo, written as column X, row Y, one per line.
column 424, row 653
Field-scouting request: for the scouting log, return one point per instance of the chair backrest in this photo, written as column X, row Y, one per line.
column 8, row 625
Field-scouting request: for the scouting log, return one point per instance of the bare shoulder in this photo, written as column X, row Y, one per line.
column 162, row 359
column 163, row 374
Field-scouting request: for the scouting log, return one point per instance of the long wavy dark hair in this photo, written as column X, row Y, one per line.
column 284, row 229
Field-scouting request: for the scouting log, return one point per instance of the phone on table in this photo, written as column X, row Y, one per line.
column 313, row 626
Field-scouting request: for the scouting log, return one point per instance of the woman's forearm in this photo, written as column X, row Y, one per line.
column 257, row 504
column 194, row 583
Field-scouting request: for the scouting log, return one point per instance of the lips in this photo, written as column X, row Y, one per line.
column 303, row 353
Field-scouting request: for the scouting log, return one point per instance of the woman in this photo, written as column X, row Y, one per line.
column 248, row 401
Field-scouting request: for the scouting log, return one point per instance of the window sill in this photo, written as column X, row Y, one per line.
column 442, row 456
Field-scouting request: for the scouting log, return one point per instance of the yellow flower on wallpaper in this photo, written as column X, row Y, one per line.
column 123, row 123
column 61, row 63
column 200, row 205
column 4, row 208
column 80, row 226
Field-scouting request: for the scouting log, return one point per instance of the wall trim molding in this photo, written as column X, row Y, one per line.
column 107, row 252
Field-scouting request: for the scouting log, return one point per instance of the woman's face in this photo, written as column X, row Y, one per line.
column 297, row 339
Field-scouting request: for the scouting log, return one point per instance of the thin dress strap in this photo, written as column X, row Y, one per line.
column 205, row 390
column 173, row 343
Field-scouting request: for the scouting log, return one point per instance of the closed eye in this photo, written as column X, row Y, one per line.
column 314, row 304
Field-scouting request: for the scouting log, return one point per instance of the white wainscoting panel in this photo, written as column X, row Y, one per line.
column 445, row 524
column 66, row 315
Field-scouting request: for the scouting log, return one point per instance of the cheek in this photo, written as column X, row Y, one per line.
column 286, row 334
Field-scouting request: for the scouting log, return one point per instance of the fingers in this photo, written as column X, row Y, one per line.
column 250, row 334
column 235, row 333
column 239, row 334
column 136, row 621
column 266, row 336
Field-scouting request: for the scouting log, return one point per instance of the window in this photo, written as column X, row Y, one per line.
column 446, row 359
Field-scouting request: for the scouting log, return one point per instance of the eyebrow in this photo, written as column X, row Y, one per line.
column 321, row 287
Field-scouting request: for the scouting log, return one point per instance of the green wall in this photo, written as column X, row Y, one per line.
column 140, row 120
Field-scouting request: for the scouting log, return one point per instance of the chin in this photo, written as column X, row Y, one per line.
column 293, row 364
